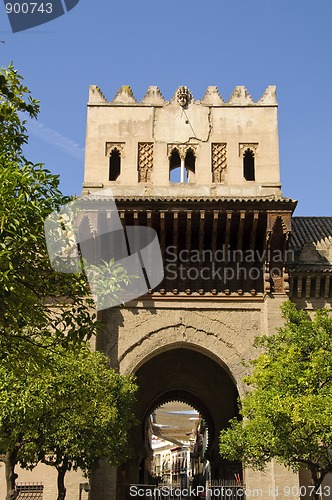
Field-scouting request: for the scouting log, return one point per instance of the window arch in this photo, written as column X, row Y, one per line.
column 182, row 163
column 190, row 161
column 114, row 164
column 174, row 166
column 174, row 160
column 249, row 165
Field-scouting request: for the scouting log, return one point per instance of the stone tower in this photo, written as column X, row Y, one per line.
column 205, row 175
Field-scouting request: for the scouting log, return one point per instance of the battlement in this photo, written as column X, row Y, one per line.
column 212, row 97
column 183, row 146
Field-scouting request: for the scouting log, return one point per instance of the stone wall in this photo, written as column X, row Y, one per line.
column 238, row 124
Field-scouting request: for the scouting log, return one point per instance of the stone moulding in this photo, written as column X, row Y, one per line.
column 284, row 217
column 145, row 161
column 182, row 97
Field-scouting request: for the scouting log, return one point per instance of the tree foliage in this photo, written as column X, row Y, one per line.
column 287, row 412
column 14, row 98
column 34, row 298
column 62, row 406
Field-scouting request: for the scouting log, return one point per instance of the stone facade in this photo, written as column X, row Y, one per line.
column 229, row 128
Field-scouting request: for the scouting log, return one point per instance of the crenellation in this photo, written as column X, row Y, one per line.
column 269, row 97
column 190, row 338
column 212, row 97
column 240, row 97
column 124, row 96
column 153, row 97
column 96, row 95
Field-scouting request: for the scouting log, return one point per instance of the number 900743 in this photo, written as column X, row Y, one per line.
column 29, row 8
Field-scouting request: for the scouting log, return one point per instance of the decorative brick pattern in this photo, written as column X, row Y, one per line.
column 145, row 161
column 219, row 162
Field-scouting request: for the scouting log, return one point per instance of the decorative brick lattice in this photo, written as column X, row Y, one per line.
column 145, row 161
column 219, row 162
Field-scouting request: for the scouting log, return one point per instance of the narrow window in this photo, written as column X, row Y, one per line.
column 190, row 161
column 174, row 166
column 249, row 165
column 115, row 165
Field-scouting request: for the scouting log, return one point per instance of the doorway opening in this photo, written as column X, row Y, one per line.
column 180, row 382
column 179, row 439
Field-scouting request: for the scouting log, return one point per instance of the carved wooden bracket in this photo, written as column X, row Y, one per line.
column 276, row 278
column 285, row 219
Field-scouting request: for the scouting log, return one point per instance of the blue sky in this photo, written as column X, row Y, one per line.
column 217, row 42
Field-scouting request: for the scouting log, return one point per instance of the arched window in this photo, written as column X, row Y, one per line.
column 115, row 165
column 182, row 171
column 249, row 165
column 189, row 161
column 175, row 166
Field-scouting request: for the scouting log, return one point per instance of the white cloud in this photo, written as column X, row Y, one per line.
column 56, row 139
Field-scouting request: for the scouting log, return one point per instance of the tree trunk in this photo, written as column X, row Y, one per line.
column 317, row 482
column 61, row 479
column 315, row 495
column 11, row 476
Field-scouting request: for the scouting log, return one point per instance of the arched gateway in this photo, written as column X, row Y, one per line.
column 186, row 374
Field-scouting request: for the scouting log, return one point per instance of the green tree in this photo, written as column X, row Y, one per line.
column 28, row 194
column 25, row 396
column 48, row 311
column 62, row 406
column 14, row 98
column 40, row 380
column 287, row 412
column 91, row 420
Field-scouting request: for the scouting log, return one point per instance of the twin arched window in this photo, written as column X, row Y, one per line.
column 182, row 170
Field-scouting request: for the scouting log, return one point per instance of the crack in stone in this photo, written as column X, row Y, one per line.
column 141, row 340
column 221, row 340
column 176, row 325
column 217, row 321
column 191, row 138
